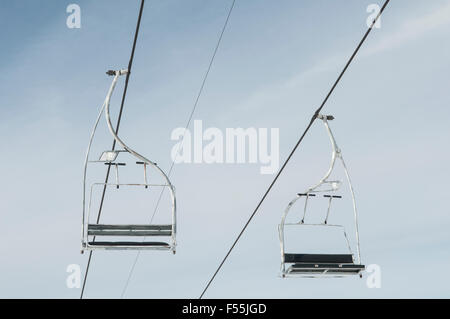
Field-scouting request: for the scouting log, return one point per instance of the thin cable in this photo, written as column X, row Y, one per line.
column 184, row 133
column 130, row 64
column 316, row 113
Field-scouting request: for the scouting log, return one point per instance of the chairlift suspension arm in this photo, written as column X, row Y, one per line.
column 334, row 154
column 338, row 154
column 129, row 149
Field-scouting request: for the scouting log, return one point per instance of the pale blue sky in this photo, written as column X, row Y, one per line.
column 276, row 62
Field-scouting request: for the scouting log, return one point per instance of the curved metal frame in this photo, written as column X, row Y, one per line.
column 334, row 186
column 126, row 148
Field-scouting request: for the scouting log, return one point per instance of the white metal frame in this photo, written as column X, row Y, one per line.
column 126, row 149
column 331, row 186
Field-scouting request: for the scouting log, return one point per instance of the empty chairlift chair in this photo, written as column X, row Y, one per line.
column 123, row 235
column 318, row 265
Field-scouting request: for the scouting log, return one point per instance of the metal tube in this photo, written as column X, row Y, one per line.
column 111, row 88
column 145, row 175
column 328, row 211
column 355, row 210
column 117, row 175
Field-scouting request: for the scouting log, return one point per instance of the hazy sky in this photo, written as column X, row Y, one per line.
column 276, row 62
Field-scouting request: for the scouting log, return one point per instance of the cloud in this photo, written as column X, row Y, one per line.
column 412, row 29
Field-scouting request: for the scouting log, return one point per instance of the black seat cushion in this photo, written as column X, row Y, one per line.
column 319, row 258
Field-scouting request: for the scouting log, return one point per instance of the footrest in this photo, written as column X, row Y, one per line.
column 129, row 230
column 128, row 243
column 326, row 269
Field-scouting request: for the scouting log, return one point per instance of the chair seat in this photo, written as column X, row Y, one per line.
column 322, row 264
column 129, row 230
column 319, row 258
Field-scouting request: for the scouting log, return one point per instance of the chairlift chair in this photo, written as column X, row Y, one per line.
column 320, row 265
column 123, row 235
